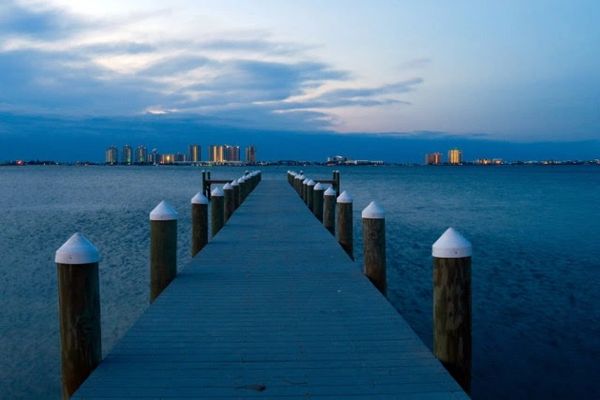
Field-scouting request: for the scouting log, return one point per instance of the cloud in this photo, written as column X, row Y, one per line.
column 417, row 63
column 42, row 22
column 249, row 79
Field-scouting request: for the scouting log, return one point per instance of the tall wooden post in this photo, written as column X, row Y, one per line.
column 329, row 210
column 243, row 188
column 199, row 222
column 310, row 186
column 163, row 248
column 207, row 194
column 217, row 210
column 373, row 222
column 337, row 184
column 236, row 193
column 79, row 311
column 344, row 229
column 298, row 184
column 229, row 201
column 452, row 305
column 305, row 190
column 318, row 191
column 203, row 180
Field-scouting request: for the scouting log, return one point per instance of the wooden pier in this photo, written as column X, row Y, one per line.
column 272, row 307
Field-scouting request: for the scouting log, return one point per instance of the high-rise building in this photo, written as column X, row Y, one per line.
column 180, row 157
column 141, row 154
column 127, row 155
column 167, row 158
column 194, row 153
column 433, row 158
column 111, row 156
column 215, row 153
column 455, row 157
column 154, row 157
column 250, row 154
column 223, row 153
column 232, row 153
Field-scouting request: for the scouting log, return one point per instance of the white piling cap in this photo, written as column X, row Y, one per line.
column 227, row 186
column 311, row 182
column 344, row 198
column 305, row 181
column 373, row 211
column 329, row 191
column 235, row 183
column 77, row 250
column 199, row 198
column 451, row 245
column 217, row 192
column 319, row 186
column 301, row 177
column 163, row 212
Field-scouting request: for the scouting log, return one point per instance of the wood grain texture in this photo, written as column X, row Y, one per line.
column 374, row 257
column 217, row 214
column 452, row 316
column 344, row 227
column 79, row 318
column 229, row 204
column 329, row 213
column 199, row 227
column 318, row 204
column 236, row 197
column 163, row 256
column 273, row 308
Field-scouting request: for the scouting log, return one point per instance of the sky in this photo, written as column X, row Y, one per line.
column 491, row 72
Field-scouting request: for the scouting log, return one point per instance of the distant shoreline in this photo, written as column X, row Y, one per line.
column 290, row 163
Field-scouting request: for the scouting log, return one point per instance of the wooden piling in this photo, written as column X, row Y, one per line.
column 243, row 188
column 318, row 191
column 163, row 248
column 452, row 305
column 373, row 224
column 217, row 210
column 305, row 190
column 229, row 201
column 344, row 223
column 310, row 186
column 79, row 311
column 199, row 222
column 298, row 184
column 336, row 182
column 236, row 193
column 329, row 210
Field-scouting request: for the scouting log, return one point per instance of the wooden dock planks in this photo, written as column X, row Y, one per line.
column 271, row 308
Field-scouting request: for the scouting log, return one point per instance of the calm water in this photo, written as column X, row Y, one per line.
column 536, row 264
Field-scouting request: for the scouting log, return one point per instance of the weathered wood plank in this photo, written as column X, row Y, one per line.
column 272, row 307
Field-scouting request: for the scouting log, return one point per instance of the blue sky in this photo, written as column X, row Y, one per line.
column 502, row 71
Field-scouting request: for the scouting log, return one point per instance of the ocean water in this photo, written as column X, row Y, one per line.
column 536, row 264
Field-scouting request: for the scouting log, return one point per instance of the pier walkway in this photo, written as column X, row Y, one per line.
column 271, row 308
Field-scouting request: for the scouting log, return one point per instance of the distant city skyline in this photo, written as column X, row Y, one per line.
column 217, row 154
column 504, row 72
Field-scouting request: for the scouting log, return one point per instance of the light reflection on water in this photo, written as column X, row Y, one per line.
column 536, row 322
